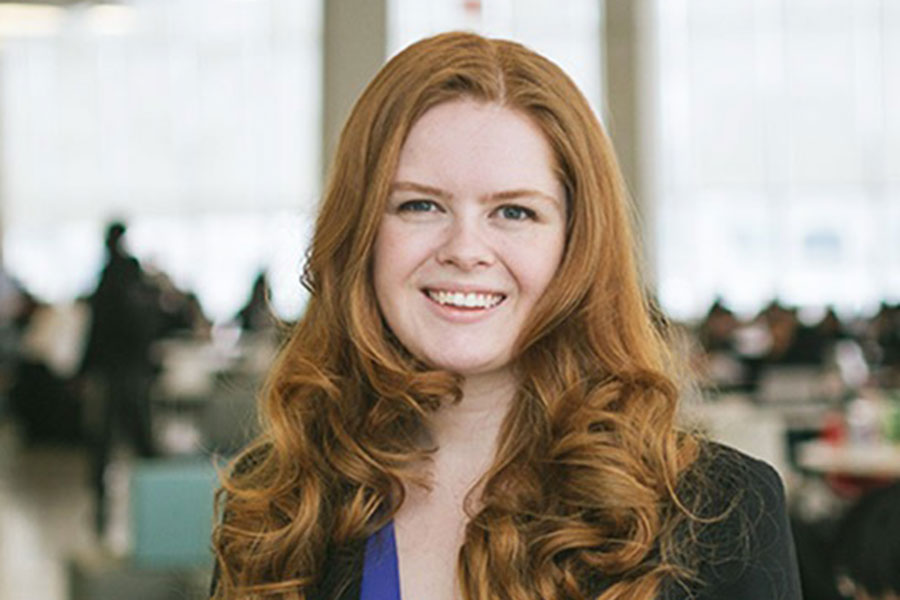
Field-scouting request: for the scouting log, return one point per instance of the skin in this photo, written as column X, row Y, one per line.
column 476, row 207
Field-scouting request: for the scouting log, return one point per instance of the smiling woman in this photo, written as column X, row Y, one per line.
column 476, row 403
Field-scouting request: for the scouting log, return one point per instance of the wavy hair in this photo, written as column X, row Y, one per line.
column 584, row 479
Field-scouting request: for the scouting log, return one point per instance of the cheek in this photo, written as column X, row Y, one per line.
column 397, row 252
column 388, row 246
column 537, row 263
column 399, row 249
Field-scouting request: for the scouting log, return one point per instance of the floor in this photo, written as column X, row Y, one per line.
column 46, row 516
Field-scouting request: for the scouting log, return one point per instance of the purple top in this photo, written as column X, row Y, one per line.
column 381, row 578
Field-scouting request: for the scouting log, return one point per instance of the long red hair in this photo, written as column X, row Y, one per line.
column 584, row 480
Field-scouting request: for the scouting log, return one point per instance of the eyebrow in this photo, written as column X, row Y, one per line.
column 411, row 186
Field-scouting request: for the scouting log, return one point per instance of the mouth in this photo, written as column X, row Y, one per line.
column 471, row 301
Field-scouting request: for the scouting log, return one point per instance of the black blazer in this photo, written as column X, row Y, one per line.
column 747, row 555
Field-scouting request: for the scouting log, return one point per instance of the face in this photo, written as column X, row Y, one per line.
column 472, row 234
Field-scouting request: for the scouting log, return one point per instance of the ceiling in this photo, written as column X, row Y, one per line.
column 59, row 3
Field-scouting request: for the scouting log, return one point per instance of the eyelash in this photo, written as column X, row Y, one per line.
column 417, row 206
column 526, row 213
column 427, row 206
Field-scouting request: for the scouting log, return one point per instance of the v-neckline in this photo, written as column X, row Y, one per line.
column 381, row 575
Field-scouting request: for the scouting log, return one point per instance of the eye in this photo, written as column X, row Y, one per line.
column 418, row 206
column 514, row 212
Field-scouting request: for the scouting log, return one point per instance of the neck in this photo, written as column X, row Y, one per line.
column 469, row 428
column 465, row 436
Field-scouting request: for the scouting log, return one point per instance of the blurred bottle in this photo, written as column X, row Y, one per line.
column 863, row 422
column 892, row 420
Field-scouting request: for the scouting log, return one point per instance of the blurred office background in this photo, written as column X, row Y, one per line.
column 757, row 138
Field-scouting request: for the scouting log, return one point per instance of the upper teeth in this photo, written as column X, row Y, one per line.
column 468, row 300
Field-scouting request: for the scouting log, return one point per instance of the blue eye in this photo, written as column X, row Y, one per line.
column 516, row 213
column 417, row 206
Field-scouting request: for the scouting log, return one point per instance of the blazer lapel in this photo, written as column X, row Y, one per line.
column 342, row 574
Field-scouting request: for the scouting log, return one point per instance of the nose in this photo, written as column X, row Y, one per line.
column 465, row 245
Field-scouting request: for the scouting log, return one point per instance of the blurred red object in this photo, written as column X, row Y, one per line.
column 834, row 428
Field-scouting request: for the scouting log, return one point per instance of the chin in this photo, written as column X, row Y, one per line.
column 464, row 357
column 472, row 367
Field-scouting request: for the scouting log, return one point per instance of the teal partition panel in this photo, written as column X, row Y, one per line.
column 172, row 512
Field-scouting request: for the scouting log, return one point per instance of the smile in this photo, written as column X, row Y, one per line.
column 477, row 300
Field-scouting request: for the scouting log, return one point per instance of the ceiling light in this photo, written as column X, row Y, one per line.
column 111, row 19
column 29, row 20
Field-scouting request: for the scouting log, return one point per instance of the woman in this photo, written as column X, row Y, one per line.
column 476, row 403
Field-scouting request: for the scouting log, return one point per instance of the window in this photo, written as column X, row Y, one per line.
column 778, row 153
column 569, row 33
column 197, row 121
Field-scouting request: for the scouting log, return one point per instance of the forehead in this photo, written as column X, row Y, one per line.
column 465, row 143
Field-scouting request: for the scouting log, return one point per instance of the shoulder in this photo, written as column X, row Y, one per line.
column 740, row 538
column 737, row 503
column 730, row 477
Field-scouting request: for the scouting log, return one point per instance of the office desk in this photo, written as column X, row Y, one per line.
column 878, row 460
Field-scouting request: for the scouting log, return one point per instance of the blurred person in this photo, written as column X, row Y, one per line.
column 180, row 312
column 867, row 547
column 48, row 353
column 813, row 539
column 716, row 331
column 717, row 362
column 256, row 314
column 884, row 343
column 831, row 327
column 476, row 403
column 792, row 341
column 14, row 302
column 117, row 360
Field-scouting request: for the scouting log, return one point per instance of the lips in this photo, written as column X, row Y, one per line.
column 470, row 300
